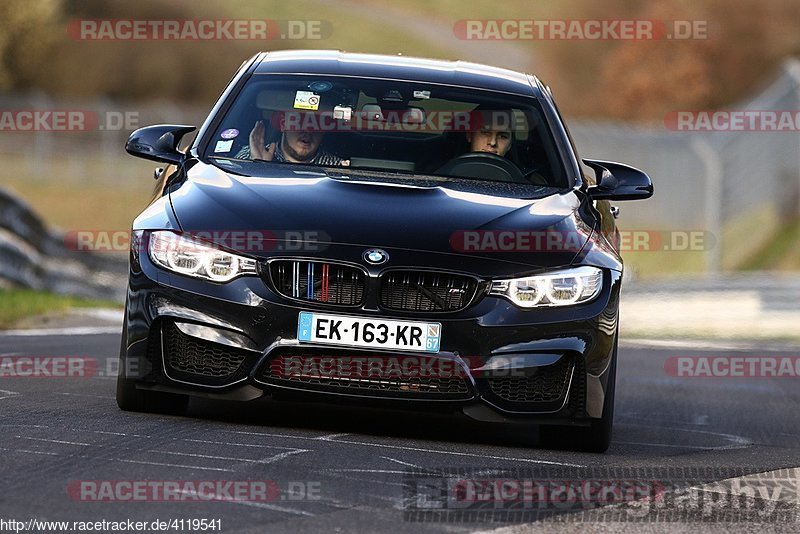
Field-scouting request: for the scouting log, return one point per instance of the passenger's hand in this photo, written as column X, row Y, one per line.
column 257, row 148
column 345, row 163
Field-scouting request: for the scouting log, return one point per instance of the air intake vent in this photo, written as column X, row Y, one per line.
column 424, row 291
column 317, row 281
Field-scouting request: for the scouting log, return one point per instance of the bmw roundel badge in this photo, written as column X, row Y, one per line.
column 376, row 256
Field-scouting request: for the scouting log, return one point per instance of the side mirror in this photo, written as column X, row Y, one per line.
column 158, row 143
column 617, row 181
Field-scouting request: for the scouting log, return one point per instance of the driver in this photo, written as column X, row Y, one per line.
column 294, row 146
column 490, row 131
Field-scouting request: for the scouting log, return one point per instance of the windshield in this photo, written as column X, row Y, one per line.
column 385, row 125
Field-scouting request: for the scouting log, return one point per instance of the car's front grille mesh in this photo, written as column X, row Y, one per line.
column 426, row 291
column 199, row 357
column 382, row 375
column 547, row 384
column 318, row 281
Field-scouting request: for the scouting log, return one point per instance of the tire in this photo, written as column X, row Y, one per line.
column 596, row 437
column 132, row 399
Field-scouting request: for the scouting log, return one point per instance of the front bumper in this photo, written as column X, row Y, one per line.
column 497, row 362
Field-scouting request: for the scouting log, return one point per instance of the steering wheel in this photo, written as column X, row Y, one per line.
column 534, row 176
column 483, row 166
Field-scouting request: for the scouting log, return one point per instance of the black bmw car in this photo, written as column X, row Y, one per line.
column 383, row 230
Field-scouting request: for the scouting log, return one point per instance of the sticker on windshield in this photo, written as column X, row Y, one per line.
column 223, row 146
column 230, row 133
column 306, row 100
column 423, row 95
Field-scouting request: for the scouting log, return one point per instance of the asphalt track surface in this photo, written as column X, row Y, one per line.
column 345, row 469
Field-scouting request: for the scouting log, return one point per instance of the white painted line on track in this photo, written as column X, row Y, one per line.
column 671, row 446
column 270, row 435
column 401, row 462
column 454, row 453
column 86, row 395
column 7, row 394
column 329, row 437
column 281, row 456
column 255, row 504
column 379, row 471
column 259, row 446
column 175, row 465
column 269, row 460
column 121, row 434
column 29, row 451
column 737, row 442
column 60, row 442
column 208, row 456
column 415, row 449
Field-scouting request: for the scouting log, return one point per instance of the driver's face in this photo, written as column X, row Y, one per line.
column 492, row 140
column 300, row 146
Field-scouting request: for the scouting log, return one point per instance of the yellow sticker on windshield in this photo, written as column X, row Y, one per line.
column 306, row 100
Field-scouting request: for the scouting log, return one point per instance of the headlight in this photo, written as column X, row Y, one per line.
column 557, row 288
column 189, row 257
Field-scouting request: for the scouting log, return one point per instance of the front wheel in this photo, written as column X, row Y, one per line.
column 132, row 399
column 594, row 438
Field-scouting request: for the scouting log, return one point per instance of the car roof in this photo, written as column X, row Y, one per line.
column 456, row 73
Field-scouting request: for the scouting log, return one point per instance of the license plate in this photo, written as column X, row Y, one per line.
column 349, row 331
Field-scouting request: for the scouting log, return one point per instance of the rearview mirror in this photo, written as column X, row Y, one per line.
column 617, row 181
column 158, row 143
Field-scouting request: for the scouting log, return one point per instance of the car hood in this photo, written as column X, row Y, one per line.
column 371, row 210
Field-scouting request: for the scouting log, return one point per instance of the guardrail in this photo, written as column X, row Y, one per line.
column 32, row 256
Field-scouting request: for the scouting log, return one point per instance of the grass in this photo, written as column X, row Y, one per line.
column 17, row 304
column 657, row 264
column 781, row 253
